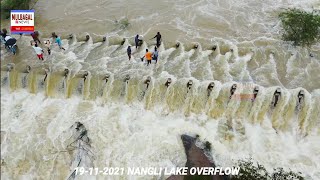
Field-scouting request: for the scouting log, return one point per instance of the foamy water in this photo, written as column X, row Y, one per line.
column 131, row 125
column 34, row 126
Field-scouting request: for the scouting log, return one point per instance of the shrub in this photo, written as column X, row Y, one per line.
column 252, row 171
column 300, row 27
column 124, row 23
column 7, row 5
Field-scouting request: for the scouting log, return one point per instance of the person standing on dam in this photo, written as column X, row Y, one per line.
column 129, row 52
column 148, row 56
column 39, row 51
column 3, row 35
column 58, row 40
column 47, row 43
column 35, row 37
column 4, row 32
column 10, row 44
column 158, row 38
column 136, row 40
column 155, row 54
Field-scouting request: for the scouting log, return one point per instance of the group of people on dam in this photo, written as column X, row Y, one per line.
column 10, row 45
column 148, row 55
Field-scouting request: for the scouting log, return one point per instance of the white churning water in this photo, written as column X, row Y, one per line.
column 132, row 118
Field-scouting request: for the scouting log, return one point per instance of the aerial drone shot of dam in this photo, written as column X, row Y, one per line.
column 160, row 90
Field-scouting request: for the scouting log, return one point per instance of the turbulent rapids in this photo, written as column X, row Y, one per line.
column 232, row 100
column 210, row 86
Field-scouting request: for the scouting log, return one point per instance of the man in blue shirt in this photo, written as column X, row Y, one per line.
column 58, row 41
column 155, row 54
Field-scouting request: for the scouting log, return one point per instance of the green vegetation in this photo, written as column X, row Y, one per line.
column 250, row 171
column 124, row 23
column 300, row 27
column 121, row 24
column 7, row 5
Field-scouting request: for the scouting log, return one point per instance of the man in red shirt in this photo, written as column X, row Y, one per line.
column 35, row 36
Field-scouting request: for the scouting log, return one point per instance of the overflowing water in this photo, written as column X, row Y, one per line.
column 134, row 114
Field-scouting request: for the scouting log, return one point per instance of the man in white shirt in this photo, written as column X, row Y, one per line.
column 47, row 43
column 39, row 51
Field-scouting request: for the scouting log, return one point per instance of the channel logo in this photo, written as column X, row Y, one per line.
column 22, row 21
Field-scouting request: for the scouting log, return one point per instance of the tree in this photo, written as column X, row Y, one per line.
column 300, row 27
column 7, row 5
